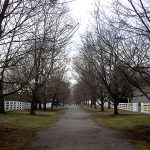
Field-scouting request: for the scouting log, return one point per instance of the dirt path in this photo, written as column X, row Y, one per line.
column 77, row 131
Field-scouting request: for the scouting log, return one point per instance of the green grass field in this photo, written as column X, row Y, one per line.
column 135, row 125
column 18, row 127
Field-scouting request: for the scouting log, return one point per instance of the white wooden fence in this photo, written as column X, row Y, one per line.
column 48, row 105
column 145, row 107
column 128, row 106
column 16, row 105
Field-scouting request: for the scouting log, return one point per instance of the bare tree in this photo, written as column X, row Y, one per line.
column 83, row 67
column 15, row 23
column 51, row 33
column 133, row 16
column 134, row 46
column 100, row 52
column 59, row 88
column 81, row 93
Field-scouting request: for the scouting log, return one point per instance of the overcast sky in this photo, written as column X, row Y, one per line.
column 81, row 9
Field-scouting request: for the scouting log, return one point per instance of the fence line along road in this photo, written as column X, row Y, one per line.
column 128, row 106
column 17, row 105
column 145, row 107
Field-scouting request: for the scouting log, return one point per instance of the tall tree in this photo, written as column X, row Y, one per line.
column 15, row 23
column 52, row 32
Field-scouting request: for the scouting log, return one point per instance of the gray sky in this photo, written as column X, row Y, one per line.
column 81, row 9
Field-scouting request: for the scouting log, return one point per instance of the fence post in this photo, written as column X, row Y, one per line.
column 142, row 107
column 135, row 107
column 5, row 105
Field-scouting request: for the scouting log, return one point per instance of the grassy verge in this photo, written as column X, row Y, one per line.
column 135, row 125
column 18, row 127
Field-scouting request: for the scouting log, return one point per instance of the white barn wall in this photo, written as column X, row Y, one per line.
column 138, row 97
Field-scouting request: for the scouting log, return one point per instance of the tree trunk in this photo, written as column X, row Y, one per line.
column 36, row 106
column 45, row 100
column 116, row 107
column 95, row 107
column 91, row 103
column 52, row 105
column 63, row 103
column 94, row 100
column 56, row 103
column 109, row 106
column 40, row 104
column 33, row 103
column 102, row 105
column 32, row 110
column 44, row 106
column 2, row 108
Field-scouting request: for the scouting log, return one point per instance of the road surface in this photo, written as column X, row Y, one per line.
column 77, row 131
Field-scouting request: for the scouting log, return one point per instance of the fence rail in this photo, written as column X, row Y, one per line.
column 128, row 106
column 16, row 105
column 145, row 107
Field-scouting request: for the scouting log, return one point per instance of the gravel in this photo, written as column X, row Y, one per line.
column 77, row 131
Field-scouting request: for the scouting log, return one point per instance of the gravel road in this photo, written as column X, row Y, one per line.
column 77, row 131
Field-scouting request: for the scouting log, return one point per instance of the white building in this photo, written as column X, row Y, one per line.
column 138, row 96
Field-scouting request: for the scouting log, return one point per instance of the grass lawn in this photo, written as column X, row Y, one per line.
column 18, row 127
column 135, row 125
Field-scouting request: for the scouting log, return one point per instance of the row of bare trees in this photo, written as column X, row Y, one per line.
column 34, row 35
column 115, row 53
